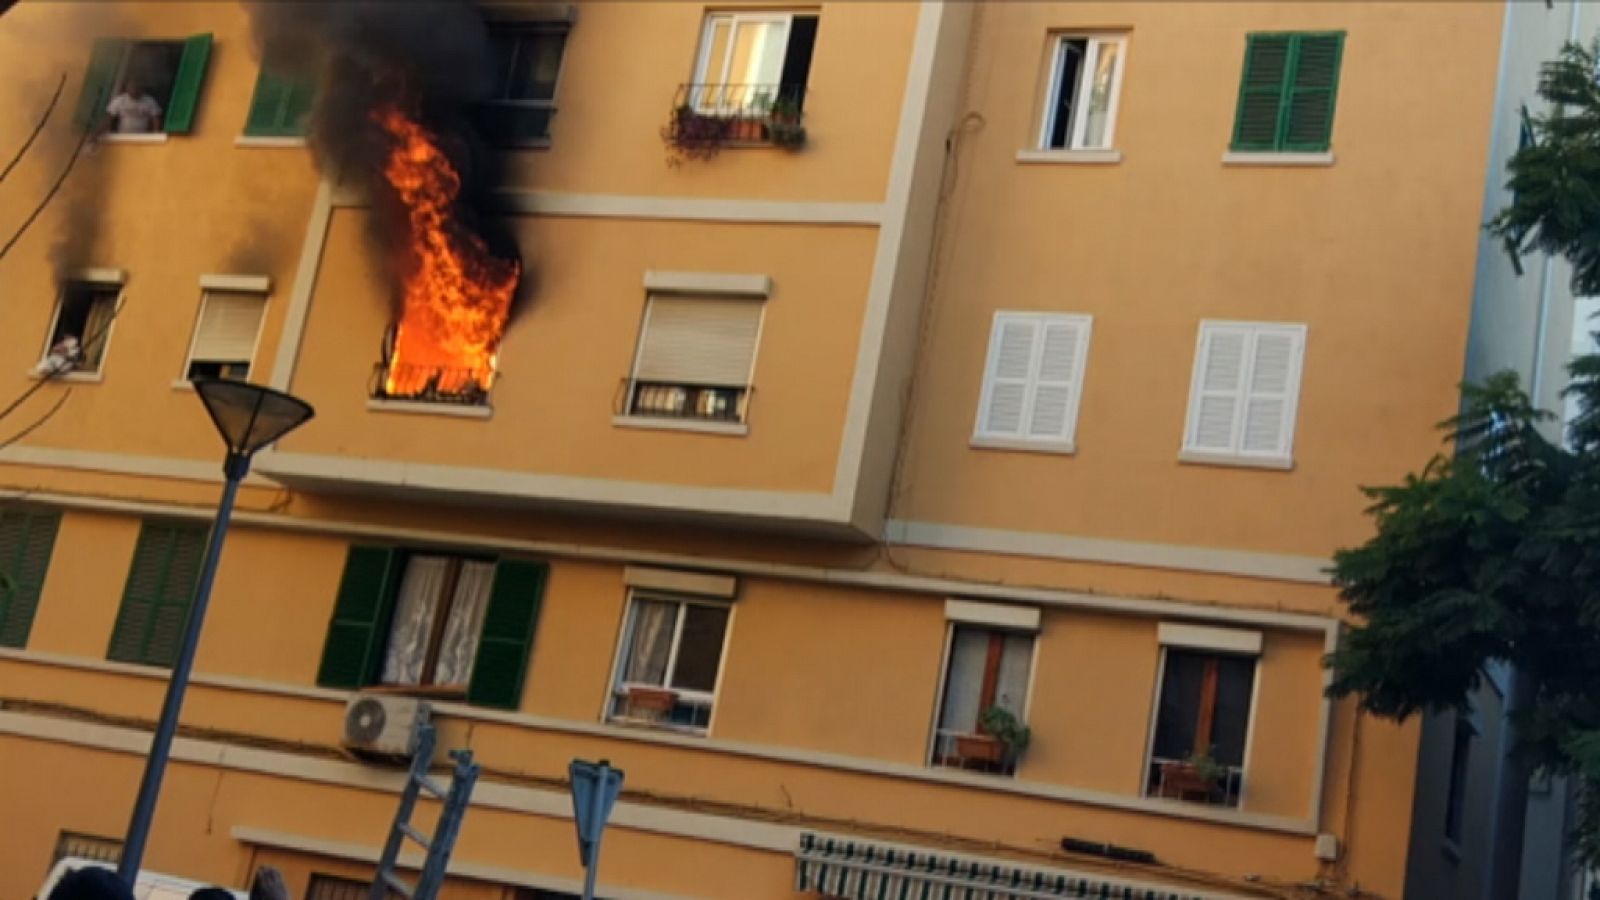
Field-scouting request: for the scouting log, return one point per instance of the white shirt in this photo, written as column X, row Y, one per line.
column 134, row 116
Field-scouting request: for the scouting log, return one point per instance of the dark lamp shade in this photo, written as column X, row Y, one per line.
column 250, row 416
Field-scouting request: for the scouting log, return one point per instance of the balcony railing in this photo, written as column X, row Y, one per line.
column 1178, row 779
column 706, row 117
column 974, row 752
column 428, row 384
column 696, row 402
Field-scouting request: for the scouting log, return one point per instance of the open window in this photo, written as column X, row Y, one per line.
column 81, row 329
column 1085, row 81
column 527, row 64
column 1202, row 720
column 988, row 669
column 225, row 334
column 695, row 357
column 670, row 658
column 749, row 84
column 143, row 87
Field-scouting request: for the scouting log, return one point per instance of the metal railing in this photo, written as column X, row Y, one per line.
column 428, row 384
column 1177, row 779
column 947, row 751
column 738, row 113
column 705, row 403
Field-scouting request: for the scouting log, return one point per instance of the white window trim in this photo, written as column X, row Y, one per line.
column 739, row 428
column 1081, row 114
column 986, row 440
column 1237, row 456
column 147, row 137
column 1277, row 158
column 111, row 278
column 1155, row 719
column 1105, row 157
column 944, row 681
column 619, row 686
column 259, row 285
column 702, row 68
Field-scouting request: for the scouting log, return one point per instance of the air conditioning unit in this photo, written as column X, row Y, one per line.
column 383, row 726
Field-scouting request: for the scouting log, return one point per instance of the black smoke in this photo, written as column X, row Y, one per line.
column 430, row 58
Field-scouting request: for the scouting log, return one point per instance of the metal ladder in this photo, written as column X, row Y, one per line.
column 443, row 840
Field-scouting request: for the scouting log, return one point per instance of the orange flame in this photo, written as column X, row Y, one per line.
column 456, row 294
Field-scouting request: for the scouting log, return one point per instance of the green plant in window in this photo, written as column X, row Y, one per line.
column 783, row 124
column 999, row 723
column 1206, row 767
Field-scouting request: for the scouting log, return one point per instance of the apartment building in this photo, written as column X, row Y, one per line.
column 877, row 381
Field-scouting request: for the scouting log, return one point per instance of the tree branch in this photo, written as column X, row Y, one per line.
column 50, row 108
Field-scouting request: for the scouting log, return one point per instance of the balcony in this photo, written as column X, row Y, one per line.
column 1216, row 784
column 708, row 117
column 429, row 384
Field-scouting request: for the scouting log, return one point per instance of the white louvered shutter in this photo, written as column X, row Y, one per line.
column 1052, row 410
column 1247, row 376
column 1274, row 365
column 698, row 341
column 226, row 332
column 1006, row 383
column 1219, row 375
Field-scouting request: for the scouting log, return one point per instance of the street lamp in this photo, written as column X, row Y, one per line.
column 249, row 417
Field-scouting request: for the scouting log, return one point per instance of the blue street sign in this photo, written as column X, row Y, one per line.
column 594, row 792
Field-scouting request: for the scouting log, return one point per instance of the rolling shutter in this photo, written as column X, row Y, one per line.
column 1246, row 380
column 105, row 61
column 359, row 626
column 1034, row 377
column 507, row 639
column 229, row 322
column 160, row 589
column 27, row 538
column 186, row 86
column 698, row 341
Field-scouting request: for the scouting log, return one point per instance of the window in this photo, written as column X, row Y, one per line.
column 434, row 623
column 694, row 358
column 753, row 62
column 225, row 333
column 1202, row 720
column 671, row 655
column 986, row 668
column 27, row 538
column 155, row 603
column 1034, row 379
column 86, row 846
column 143, row 87
column 527, row 63
column 1287, row 93
column 1244, row 392
column 1085, row 81
column 1460, row 771
column 82, row 328
column 328, row 887
column 283, row 96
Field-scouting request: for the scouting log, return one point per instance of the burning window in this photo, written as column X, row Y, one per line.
column 694, row 358
column 527, row 61
column 81, row 329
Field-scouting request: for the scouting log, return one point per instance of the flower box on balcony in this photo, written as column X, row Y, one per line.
column 1184, row 781
column 980, row 748
column 651, row 703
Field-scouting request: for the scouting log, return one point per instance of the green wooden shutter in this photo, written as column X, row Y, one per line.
column 1261, row 92
column 186, row 86
column 105, row 61
column 160, row 590
column 281, row 103
column 1308, row 121
column 26, row 540
column 507, row 639
column 358, row 629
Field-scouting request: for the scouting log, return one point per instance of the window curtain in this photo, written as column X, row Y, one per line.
column 1011, row 685
column 95, row 326
column 461, row 631
column 413, row 619
column 653, row 622
column 963, row 687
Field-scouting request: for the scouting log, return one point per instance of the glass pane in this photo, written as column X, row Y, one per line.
column 1065, row 102
column 963, row 686
column 700, row 649
column 712, row 62
column 1180, row 705
column 1235, row 678
column 502, row 57
column 1011, row 684
column 458, row 649
column 412, row 625
column 538, row 60
column 650, row 642
column 1099, row 113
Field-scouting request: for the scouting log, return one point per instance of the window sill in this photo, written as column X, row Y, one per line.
column 421, row 692
column 1058, row 448
column 728, row 429
column 647, row 725
column 182, row 384
column 1251, row 158
column 153, row 137
column 73, row 377
column 1200, row 457
column 457, row 410
column 1073, row 157
column 261, row 140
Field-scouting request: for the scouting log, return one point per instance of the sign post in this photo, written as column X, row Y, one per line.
column 594, row 791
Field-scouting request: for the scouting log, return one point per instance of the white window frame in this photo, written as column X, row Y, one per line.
column 702, row 63
column 221, row 286
column 1080, row 115
column 619, row 687
column 99, row 278
column 1236, row 454
column 1155, row 721
column 1066, row 444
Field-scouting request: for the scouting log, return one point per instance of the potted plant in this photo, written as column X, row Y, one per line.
column 783, row 125
column 1198, row 773
column 691, row 134
column 999, row 737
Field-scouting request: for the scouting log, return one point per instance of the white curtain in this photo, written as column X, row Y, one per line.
column 653, row 622
column 1011, row 685
column 413, row 619
column 461, row 631
column 963, row 686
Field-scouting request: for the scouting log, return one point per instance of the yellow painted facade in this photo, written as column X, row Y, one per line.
column 857, row 515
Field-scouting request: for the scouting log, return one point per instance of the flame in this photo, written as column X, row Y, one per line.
column 456, row 294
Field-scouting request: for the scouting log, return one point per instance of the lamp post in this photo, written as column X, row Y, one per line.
column 249, row 417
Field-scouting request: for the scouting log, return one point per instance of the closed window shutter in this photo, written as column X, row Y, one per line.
column 226, row 332
column 699, row 341
column 1261, row 92
column 160, row 589
column 1010, row 363
column 1246, row 380
column 1274, row 369
column 358, row 629
column 1054, row 391
column 99, row 80
column 1031, row 384
column 1308, row 121
column 281, row 102
column 186, row 86
column 27, row 538
column 507, row 639
column 1220, row 371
